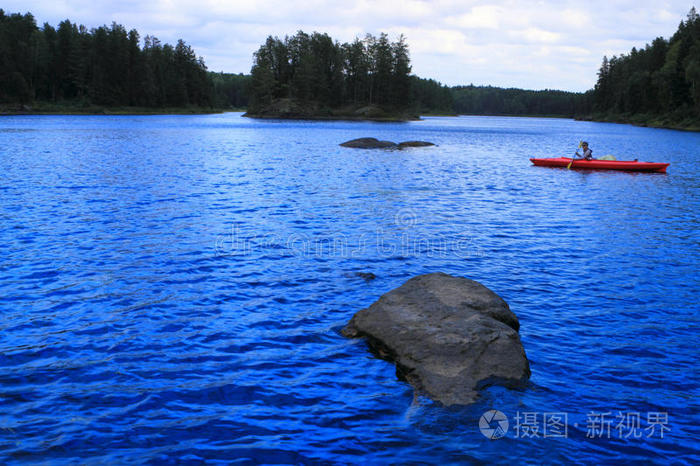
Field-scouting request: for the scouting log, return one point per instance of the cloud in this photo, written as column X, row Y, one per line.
column 535, row 35
column 544, row 44
column 479, row 17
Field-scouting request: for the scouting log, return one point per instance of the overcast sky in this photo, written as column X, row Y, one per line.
column 531, row 45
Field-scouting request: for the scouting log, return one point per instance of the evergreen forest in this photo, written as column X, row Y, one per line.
column 659, row 84
column 71, row 66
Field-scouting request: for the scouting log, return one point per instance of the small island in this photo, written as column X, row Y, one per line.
column 296, row 109
column 312, row 76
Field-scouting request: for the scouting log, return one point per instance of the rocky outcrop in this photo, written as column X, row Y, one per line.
column 369, row 143
column 370, row 111
column 448, row 336
column 299, row 109
column 373, row 143
column 289, row 109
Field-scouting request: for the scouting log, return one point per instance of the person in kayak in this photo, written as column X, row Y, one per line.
column 587, row 153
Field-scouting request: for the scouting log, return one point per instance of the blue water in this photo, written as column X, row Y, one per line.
column 172, row 288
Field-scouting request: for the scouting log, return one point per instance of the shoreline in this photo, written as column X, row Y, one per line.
column 311, row 117
column 67, row 110
column 617, row 119
column 658, row 124
column 144, row 111
column 566, row 117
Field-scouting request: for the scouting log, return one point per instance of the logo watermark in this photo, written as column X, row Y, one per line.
column 493, row 424
column 609, row 424
column 402, row 238
column 405, row 218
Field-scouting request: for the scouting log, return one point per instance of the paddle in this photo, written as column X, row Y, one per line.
column 568, row 167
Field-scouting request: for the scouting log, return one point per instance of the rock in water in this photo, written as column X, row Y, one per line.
column 448, row 336
column 373, row 143
column 366, row 276
column 405, row 144
column 368, row 143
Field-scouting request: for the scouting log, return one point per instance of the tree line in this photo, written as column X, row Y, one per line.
column 487, row 100
column 661, row 79
column 105, row 66
column 110, row 66
column 314, row 68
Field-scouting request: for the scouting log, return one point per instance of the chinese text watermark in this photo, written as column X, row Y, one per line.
column 608, row 424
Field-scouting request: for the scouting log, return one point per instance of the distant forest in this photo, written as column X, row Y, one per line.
column 71, row 66
column 660, row 82
column 487, row 100
column 105, row 66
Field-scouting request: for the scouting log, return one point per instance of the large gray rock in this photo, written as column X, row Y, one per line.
column 369, row 143
column 448, row 336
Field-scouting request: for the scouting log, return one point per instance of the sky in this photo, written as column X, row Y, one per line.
column 531, row 45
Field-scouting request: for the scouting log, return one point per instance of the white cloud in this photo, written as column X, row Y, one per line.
column 479, row 17
column 543, row 44
column 535, row 35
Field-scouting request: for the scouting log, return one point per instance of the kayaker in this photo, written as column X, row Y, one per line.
column 587, row 153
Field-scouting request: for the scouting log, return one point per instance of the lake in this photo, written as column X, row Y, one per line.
column 172, row 288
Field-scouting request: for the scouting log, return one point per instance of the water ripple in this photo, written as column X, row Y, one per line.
column 172, row 287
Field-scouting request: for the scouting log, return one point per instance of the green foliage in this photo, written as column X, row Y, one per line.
column 102, row 66
column 429, row 96
column 660, row 82
column 106, row 66
column 230, row 90
column 487, row 100
column 315, row 69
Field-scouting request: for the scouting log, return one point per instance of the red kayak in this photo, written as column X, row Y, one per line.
column 628, row 165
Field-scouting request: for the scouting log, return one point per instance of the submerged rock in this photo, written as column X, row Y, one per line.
column 368, row 143
column 405, row 144
column 366, row 276
column 448, row 336
column 373, row 143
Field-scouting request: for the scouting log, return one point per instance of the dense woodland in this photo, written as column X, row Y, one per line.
column 104, row 66
column 108, row 66
column 315, row 69
column 429, row 96
column 230, row 90
column 660, row 80
column 487, row 100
